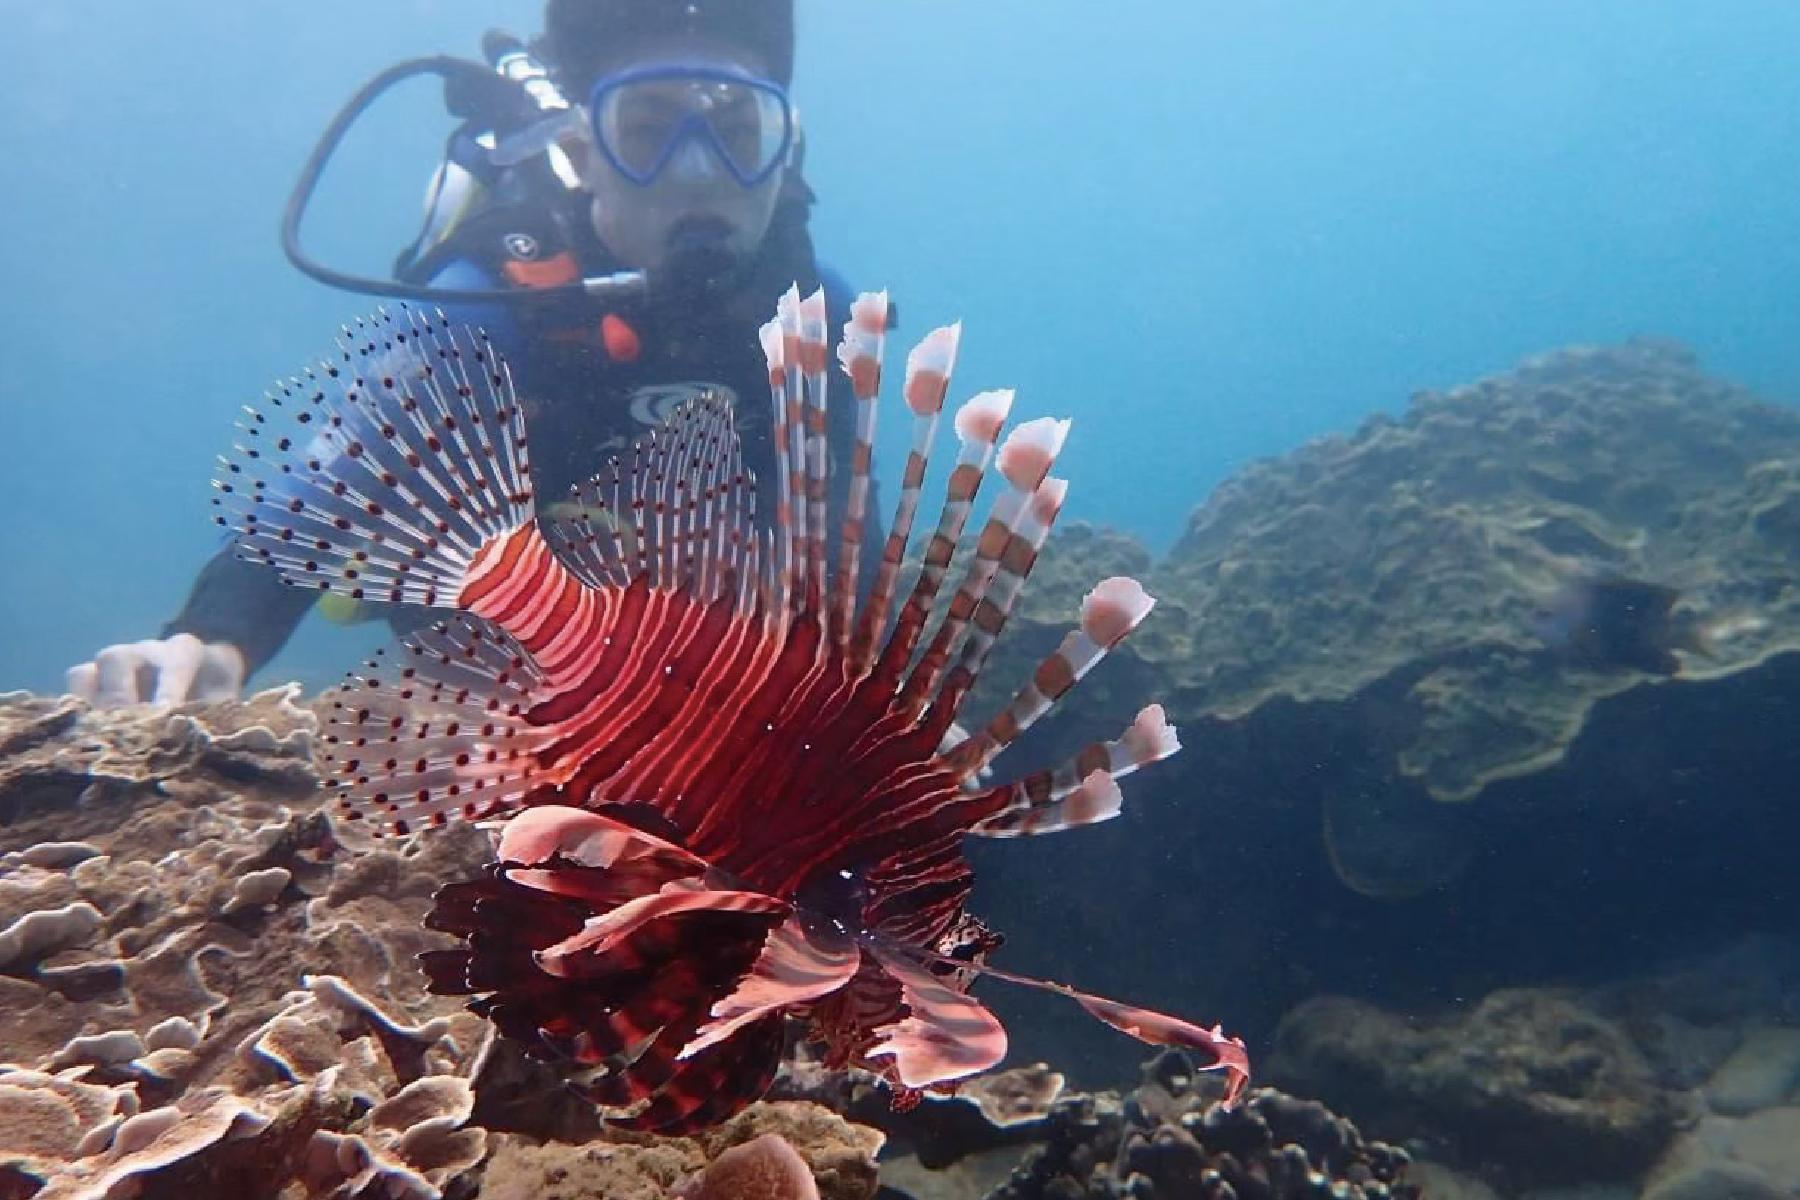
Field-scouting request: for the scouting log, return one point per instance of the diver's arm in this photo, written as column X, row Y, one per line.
column 244, row 605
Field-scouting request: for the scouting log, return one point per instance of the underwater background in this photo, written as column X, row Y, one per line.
column 1205, row 231
column 1518, row 901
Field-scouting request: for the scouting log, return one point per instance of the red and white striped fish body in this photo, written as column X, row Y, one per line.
column 734, row 793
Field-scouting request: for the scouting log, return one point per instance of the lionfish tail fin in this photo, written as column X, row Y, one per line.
column 383, row 471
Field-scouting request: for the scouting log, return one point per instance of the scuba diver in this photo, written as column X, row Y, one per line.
column 619, row 210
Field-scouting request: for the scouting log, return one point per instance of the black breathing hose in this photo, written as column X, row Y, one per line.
column 450, row 70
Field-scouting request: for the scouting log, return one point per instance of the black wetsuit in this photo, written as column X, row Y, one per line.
column 583, row 402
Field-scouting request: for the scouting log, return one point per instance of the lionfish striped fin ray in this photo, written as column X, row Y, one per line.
column 928, row 370
column 1083, row 790
column 1109, row 613
column 978, row 422
column 1014, row 530
column 814, row 336
column 437, row 730
column 860, row 355
column 793, row 420
column 403, row 455
column 775, row 353
column 995, row 605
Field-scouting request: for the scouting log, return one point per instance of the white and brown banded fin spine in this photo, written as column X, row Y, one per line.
column 814, row 335
column 1092, row 800
column 1030, row 528
column 928, row 370
column 978, row 422
column 1015, row 528
column 1109, row 613
column 860, row 355
column 435, row 730
column 1048, row 801
column 793, row 420
column 398, row 459
column 774, row 345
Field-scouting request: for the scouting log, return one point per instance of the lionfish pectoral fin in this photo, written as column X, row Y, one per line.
column 1226, row 1054
column 407, row 458
column 946, row 1034
column 593, row 839
column 796, row 966
column 400, row 474
column 615, row 929
column 435, row 730
column 713, row 1085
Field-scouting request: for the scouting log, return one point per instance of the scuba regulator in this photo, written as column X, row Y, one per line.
column 513, row 119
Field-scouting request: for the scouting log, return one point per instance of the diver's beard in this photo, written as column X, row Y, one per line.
column 699, row 262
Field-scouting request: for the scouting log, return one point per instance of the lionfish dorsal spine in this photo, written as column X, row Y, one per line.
column 929, row 367
column 814, row 337
column 1029, row 530
column 860, row 354
column 1109, row 613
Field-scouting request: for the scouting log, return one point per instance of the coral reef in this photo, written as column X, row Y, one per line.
column 839, row 1161
column 1168, row 1140
column 1416, row 550
column 206, row 988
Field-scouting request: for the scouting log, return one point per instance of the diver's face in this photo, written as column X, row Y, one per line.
column 694, row 214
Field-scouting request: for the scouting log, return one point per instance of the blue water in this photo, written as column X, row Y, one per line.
column 1206, row 231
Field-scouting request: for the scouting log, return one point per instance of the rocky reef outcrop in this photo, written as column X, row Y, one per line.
column 1664, row 1085
column 1479, row 692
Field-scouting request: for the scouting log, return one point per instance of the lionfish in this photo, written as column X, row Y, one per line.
column 729, row 799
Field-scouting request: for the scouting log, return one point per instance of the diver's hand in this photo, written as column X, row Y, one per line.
column 171, row 671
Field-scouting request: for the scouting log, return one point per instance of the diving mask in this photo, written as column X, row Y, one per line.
column 693, row 117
